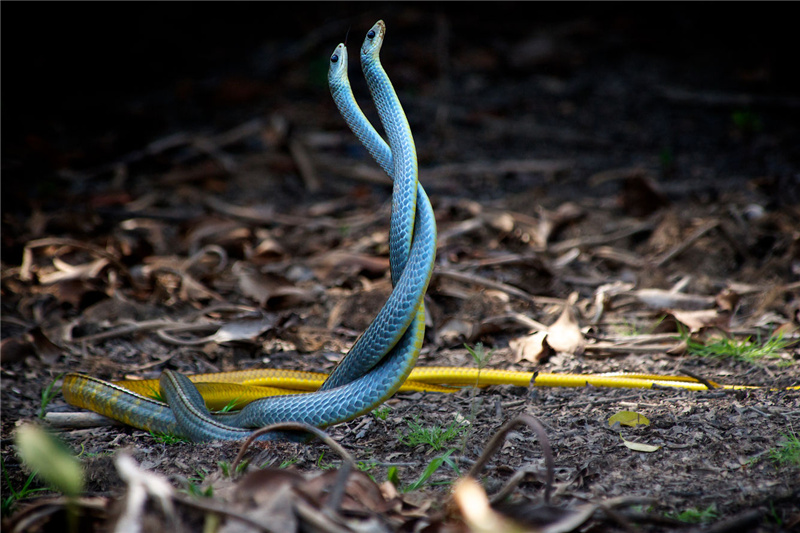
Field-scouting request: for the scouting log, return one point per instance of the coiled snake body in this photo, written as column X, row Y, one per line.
column 382, row 357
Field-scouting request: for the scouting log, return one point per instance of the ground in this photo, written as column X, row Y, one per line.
column 639, row 168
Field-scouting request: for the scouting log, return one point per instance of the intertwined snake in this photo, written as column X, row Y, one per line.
column 380, row 360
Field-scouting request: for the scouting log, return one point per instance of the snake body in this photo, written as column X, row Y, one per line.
column 380, row 360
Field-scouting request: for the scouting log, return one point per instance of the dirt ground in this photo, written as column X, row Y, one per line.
column 637, row 167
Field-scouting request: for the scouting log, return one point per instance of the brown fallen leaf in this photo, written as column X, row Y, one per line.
column 66, row 271
column 271, row 290
column 474, row 506
column 727, row 299
column 640, row 194
column 706, row 318
column 454, row 332
column 243, row 330
column 786, row 329
column 47, row 350
column 192, row 290
column 229, row 234
column 267, row 250
column 564, row 335
column 334, row 263
column 14, row 349
column 533, row 348
column 274, row 510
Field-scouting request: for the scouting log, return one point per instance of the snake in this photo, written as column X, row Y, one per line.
column 381, row 361
column 381, row 358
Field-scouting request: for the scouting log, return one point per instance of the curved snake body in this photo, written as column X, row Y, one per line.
column 380, row 360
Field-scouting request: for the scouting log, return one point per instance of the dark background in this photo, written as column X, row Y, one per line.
column 84, row 83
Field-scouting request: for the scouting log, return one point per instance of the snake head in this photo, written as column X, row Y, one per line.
column 374, row 40
column 337, row 69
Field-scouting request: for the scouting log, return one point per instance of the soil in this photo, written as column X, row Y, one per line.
column 194, row 169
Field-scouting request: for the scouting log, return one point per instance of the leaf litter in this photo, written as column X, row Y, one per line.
column 206, row 252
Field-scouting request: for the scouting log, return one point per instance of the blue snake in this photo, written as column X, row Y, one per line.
column 381, row 358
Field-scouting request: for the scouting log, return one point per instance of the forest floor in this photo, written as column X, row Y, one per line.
column 631, row 194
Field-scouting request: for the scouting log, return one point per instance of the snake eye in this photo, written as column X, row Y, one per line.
column 371, row 34
column 334, row 58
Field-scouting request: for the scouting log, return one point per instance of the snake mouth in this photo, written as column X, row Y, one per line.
column 381, row 28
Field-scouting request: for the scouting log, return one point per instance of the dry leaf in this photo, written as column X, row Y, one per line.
column 641, row 195
column 565, row 333
column 229, row 234
column 478, row 514
column 47, row 350
column 271, row 290
column 454, row 331
column 243, row 330
column 532, row 348
column 14, row 349
column 268, row 249
column 337, row 262
column 66, row 271
column 785, row 329
column 697, row 320
column 628, row 418
column 727, row 299
column 274, row 511
column 639, row 447
column 192, row 290
column 502, row 222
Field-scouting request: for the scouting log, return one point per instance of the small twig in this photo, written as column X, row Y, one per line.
column 499, row 438
column 210, row 249
column 213, row 150
column 224, row 509
column 501, row 260
column 349, row 169
column 348, row 464
column 152, row 364
column 519, row 318
column 188, row 282
column 609, row 507
column 145, row 325
column 573, row 405
column 593, row 240
column 699, row 378
column 507, row 166
column 745, row 521
column 486, row 282
column 27, row 259
column 78, row 419
column 166, row 334
column 32, row 516
column 613, row 348
column 268, row 216
column 633, row 340
column 316, row 520
column 461, row 228
column 686, row 243
column 304, row 165
column 512, row 483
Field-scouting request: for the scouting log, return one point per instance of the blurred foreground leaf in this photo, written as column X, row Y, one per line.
column 47, row 456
